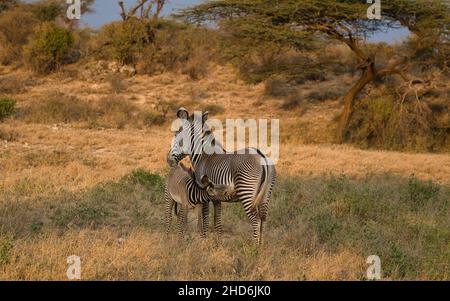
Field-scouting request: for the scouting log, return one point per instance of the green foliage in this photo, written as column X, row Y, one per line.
column 125, row 41
column 7, row 108
column 6, row 245
column 145, row 178
column 48, row 12
column 382, row 215
column 419, row 193
column 49, row 48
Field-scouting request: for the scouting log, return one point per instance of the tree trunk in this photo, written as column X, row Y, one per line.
column 367, row 76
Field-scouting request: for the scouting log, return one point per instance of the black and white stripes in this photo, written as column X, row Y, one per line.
column 248, row 171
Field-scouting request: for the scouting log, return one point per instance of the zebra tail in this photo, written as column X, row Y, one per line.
column 266, row 185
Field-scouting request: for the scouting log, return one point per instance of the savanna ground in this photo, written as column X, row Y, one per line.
column 81, row 172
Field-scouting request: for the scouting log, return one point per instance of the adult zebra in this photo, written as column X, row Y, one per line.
column 248, row 171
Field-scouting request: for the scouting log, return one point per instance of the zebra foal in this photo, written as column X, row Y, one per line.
column 182, row 193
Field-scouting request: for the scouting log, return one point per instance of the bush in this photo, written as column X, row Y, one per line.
column 7, row 108
column 9, row 134
column 293, row 101
column 380, row 121
column 58, row 108
column 277, row 87
column 111, row 112
column 14, row 84
column 152, row 118
column 117, row 82
column 49, row 48
column 16, row 26
column 322, row 95
column 48, row 12
column 124, row 41
column 115, row 112
column 196, row 67
column 178, row 47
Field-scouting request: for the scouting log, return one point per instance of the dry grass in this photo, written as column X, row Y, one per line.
column 333, row 224
column 144, row 255
column 44, row 157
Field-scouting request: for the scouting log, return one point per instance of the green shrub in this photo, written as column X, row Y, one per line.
column 124, row 41
column 49, row 48
column 418, row 193
column 48, row 12
column 7, row 108
column 6, row 245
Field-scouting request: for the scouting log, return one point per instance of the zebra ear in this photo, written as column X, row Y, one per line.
column 205, row 116
column 182, row 113
column 187, row 168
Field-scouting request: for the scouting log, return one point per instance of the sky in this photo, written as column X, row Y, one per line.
column 108, row 10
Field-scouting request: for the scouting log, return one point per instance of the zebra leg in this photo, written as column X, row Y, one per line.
column 218, row 218
column 256, row 225
column 203, row 220
column 182, row 221
column 168, row 218
column 261, row 227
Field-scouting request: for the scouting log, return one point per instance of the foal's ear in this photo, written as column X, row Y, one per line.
column 206, row 182
column 205, row 116
column 182, row 113
column 187, row 168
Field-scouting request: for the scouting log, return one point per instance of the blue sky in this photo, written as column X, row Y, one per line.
column 108, row 10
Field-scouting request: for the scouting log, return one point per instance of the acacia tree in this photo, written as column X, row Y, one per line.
column 143, row 9
column 287, row 22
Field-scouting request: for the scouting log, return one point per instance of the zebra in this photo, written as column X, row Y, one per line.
column 248, row 171
column 182, row 191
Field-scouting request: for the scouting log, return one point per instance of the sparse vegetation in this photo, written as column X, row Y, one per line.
column 117, row 82
column 83, row 143
column 7, row 108
column 382, row 121
column 49, row 48
column 311, row 221
column 110, row 112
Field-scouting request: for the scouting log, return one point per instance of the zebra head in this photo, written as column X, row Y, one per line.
column 189, row 131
